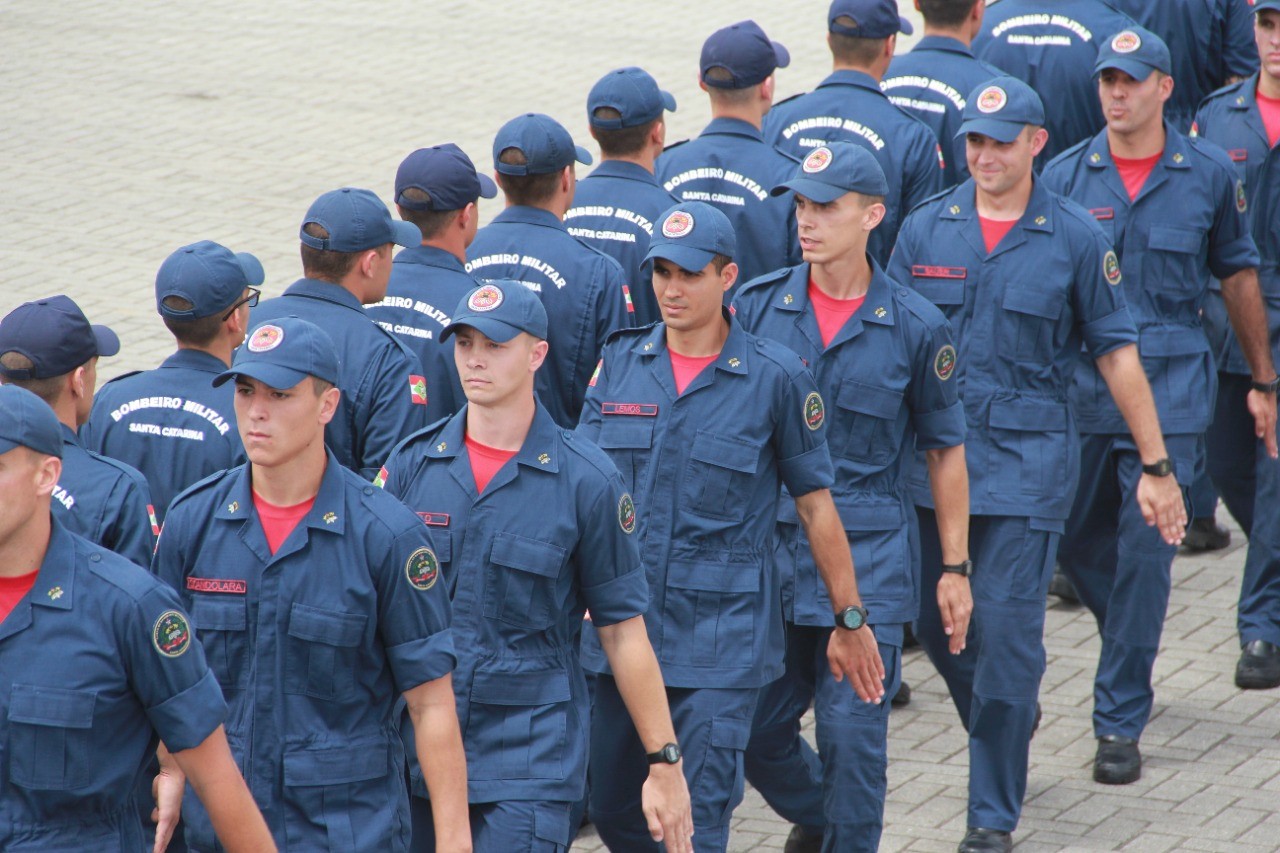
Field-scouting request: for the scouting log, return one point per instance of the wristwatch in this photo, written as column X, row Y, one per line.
column 1159, row 468
column 1266, row 387
column 851, row 618
column 965, row 568
column 669, row 754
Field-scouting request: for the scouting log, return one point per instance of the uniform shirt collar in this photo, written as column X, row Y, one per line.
column 943, row 43
column 733, row 127
column 734, row 355
column 194, row 359
column 327, row 513
column 877, row 305
column 69, row 436
column 541, row 448
column 1176, row 152
column 326, row 290
column 55, row 584
column 960, row 204
column 530, row 216
column 430, row 256
column 849, row 77
column 625, row 170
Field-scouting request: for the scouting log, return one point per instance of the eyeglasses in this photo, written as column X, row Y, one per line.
column 251, row 300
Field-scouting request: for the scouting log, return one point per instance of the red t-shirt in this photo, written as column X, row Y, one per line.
column 994, row 230
column 1134, row 173
column 1270, row 110
column 831, row 313
column 12, row 590
column 278, row 521
column 687, row 367
column 485, row 461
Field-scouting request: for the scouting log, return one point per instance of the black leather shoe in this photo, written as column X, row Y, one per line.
column 1061, row 586
column 1206, row 534
column 1118, row 761
column 979, row 840
column 803, row 840
column 1259, row 666
column 902, row 698
column 1035, row 724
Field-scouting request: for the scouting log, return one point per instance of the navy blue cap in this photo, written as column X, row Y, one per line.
column 356, row 220
column 209, row 276
column 835, row 169
column 546, row 145
column 745, row 52
column 1000, row 109
column 692, row 234
column 283, row 352
column 55, row 335
column 1136, row 52
column 446, row 174
column 632, row 92
column 872, row 19
column 500, row 310
column 27, row 421
column 1264, row 5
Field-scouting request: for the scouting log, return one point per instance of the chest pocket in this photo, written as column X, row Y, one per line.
column 323, row 651
column 221, row 624
column 865, row 426
column 946, row 293
column 1032, row 316
column 720, row 472
column 1172, row 264
column 51, row 738
column 520, row 581
column 628, row 440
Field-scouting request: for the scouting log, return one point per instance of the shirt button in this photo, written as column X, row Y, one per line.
column 95, row 558
column 368, row 490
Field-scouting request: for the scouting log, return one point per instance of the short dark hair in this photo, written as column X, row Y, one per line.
column 946, row 13
column 199, row 332
column 622, row 141
column 866, row 200
column 323, row 264
column 430, row 222
column 726, row 93
column 719, row 262
column 48, row 388
column 526, row 190
column 853, row 50
column 320, row 385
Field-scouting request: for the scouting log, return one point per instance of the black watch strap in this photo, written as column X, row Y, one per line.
column 1266, row 387
column 1159, row 468
column 669, row 754
column 965, row 568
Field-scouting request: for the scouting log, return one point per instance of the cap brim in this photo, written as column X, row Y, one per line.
column 276, row 376
column 1267, row 6
column 904, row 26
column 1137, row 70
column 781, row 54
column 108, row 341
column 685, row 257
column 494, row 330
column 254, row 274
column 7, row 444
column 818, row 191
column 403, row 234
column 668, row 100
column 488, row 189
column 1000, row 131
column 583, row 156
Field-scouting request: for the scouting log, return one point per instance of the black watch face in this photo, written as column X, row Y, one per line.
column 671, row 753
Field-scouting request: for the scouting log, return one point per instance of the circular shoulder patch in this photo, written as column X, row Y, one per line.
column 485, row 298
column 678, row 224
column 172, row 634
column 1242, row 202
column 992, row 100
column 627, row 513
column 944, row 363
column 1111, row 268
column 818, row 160
column 266, row 338
column 422, row 568
column 814, row 412
column 1126, row 42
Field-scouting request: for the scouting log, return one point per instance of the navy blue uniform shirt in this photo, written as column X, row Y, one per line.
column 729, row 165
column 312, row 647
column 848, row 106
column 551, row 537
column 581, row 287
column 1186, row 225
column 1052, row 46
column 932, row 82
column 614, row 210
column 99, row 664
column 170, row 424
column 105, row 501
column 887, row 380
column 380, row 381
column 426, row 285
column 1020, row 315
column 705, row 468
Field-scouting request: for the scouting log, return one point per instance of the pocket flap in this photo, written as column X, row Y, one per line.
column 218, row 613
column 725, row 452
column 868, row 399
column 552, row 824
column 442, row 541
column 861, row 516
column 1167, row 238
column 939, row 291
column 714, row 577
column 527, row 555
column 1164, row 342
column 338, row 766
column 1029, row 415
column 545, row 687
column 618, row 432
column 1038, row 303
column 51, row 706
column 730, row 733
column 326, row 626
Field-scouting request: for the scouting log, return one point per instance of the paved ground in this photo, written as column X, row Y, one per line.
column 127, row 130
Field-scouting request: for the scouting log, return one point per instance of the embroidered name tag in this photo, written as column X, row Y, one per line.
column 434, row 519
column 644, row 410
column 920, row 271
column 1101, row 213
column 229, row 586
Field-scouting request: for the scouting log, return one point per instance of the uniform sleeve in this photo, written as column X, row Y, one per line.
column 800, row 434
column 590, row 418
column 390, row 412
column 168, row 671
column 1231, row 246
column 611, row 315
column 1240, row 50
column 925, row 177
column 130, row 533
column 1098, row 299
column 899, row 266
column 936, row 410
column 609, row 568
column 413, row 610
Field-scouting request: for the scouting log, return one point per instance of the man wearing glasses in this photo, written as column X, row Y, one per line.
column 171, row 423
